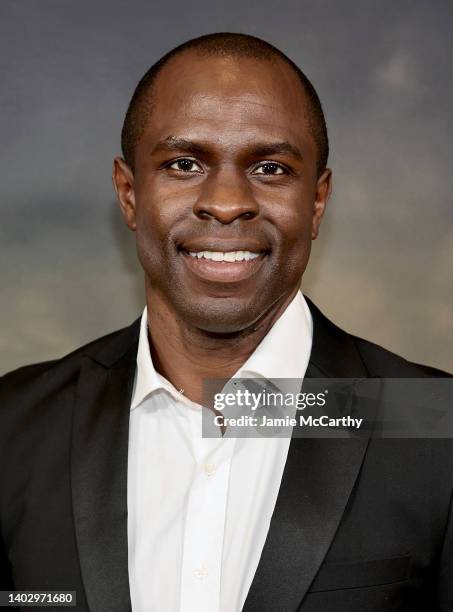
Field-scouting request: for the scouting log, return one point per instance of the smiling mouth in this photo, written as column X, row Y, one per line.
column 224, row 266
column 229, row 256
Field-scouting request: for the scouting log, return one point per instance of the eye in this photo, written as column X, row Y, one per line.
column 270, row 168
column 185, row 165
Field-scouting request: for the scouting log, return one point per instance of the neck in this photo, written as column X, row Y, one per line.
column 186, row 355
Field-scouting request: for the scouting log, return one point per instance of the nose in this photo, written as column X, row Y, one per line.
column 226, row 196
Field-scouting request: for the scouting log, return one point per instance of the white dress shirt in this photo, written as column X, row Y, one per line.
column 199, row 508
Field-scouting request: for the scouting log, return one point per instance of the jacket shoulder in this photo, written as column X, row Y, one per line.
column 383, row 363
column 62, row 369
column 336, row 350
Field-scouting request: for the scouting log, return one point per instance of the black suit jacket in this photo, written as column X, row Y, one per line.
column 359, row 524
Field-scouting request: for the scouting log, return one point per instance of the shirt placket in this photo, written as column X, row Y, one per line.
column 205, row 522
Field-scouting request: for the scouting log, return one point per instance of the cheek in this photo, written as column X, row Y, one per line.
column 160, row 208
column 152, row 231
column 294, row 245
column 295, row 227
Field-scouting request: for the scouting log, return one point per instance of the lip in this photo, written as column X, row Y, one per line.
column 223, row 245
column 223, row 271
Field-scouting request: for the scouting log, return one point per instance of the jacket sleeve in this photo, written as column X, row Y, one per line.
column 6, row 580
column 445, row 584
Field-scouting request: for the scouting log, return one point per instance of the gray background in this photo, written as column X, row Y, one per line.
column 382, row 265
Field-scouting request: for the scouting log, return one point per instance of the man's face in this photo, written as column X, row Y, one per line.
column 225, row 197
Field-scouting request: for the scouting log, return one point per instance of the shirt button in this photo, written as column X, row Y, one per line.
column 209, row 468
column 201, row 572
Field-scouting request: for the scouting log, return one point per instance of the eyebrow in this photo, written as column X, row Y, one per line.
column 261, row 149
column 173, row 143
column 274, row 148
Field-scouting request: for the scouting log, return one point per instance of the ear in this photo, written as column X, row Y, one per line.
column 323, row 191
column 123, row 182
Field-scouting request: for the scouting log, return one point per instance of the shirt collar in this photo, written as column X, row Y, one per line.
column 283, row 353
column 147, row 379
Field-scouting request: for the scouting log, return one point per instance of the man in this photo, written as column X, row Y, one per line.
column 108, row 487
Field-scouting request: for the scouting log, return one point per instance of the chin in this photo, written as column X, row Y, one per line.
column 221, row 315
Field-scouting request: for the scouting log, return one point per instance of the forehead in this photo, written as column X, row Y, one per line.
column 229, row 97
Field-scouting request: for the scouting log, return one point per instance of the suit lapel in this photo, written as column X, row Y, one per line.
column 99, row 471
column 317, row 481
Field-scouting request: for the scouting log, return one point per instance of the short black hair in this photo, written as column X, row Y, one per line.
column 227, row 44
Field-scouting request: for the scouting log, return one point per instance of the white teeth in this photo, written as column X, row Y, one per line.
column 229, row 256
column 224, row 256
